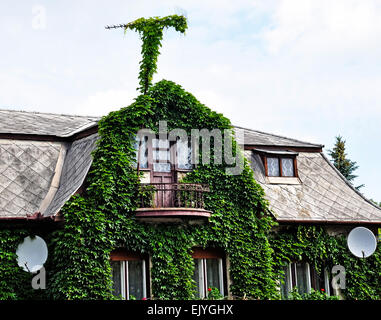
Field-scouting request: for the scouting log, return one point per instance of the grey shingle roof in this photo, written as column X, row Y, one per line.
column 21, row 122
column 26, row 172
column 77, row 163
column 42, row 176
column 30, row 171
column 323, row 195
column 259, row 138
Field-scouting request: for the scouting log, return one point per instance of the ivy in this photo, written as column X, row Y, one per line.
column 314, row 245
column 313, row 295
column 15, row 283
column 151, row 33
column 103, row 218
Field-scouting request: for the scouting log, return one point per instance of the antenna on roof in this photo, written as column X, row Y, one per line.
column 116, row 26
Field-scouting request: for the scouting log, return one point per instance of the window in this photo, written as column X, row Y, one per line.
column 279, row 163
column 209, row 271
column 128, row 275
column 280, row 166
column 142, row 156
column 287, row 167
column 184, row 155
column 302, row 276
column 273, row 167
column 162, row 155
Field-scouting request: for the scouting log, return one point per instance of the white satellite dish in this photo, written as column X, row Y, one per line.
column 362, row 242
column 32, row 254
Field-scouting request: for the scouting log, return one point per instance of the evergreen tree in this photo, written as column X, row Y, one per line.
column 341, row 162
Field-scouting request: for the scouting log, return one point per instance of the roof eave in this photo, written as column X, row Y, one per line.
column 328, row 222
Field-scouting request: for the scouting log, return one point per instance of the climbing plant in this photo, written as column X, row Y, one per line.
column 151, row 33
column 15, row 283
column 103, row 218
column 313, row 244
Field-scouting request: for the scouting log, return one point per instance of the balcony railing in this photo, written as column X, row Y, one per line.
column 172, row 195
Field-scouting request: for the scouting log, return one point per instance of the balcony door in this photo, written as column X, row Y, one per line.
column 162, row 172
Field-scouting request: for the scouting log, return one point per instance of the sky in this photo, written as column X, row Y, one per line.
column 304, row 69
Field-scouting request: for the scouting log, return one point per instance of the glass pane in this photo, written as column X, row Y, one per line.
column 213, row 273
column 136, row 146
column 273, row 167
column 161, row 158
column 162, row 167
column 135, row 279
column 288, row 167
column 160, row 143
column 162, row 155
column 184, row 155
column 198, row 278
column 317, row 282
column 116, row 278
column 143, row 152
column 301, row 277
column 285, row 283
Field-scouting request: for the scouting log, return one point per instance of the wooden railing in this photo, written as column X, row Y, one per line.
column 172, row 195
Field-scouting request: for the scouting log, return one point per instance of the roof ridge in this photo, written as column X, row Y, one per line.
column 50, row 113
column 280, row 136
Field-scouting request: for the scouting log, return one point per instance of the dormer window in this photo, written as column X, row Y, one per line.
column 280, row 166
column 279, row 163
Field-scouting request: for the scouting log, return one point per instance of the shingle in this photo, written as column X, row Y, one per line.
column 21, row 122
column 24, row 179
column 27, row 169
column 323, row 195
column 77, row 163
column 259, row 138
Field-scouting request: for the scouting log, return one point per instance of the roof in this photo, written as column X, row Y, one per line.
column 77, row 164
column 41, row 176
column 259, row 138
column 27, row 170
column 38, row 175
column 322, row 194
column 36, row 123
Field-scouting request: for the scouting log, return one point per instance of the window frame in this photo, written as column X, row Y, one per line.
column 172, row 154
column 312, row 276
column 170, row 150
column 201, row 255
column 280, row 158
column 176, row 158
column 123, row 257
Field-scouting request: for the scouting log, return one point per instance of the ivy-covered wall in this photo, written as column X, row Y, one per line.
column 15, row 283
column 324, row 249
column 103, row 218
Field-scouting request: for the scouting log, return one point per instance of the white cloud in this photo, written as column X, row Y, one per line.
column 102, row 102
column 310, row 26
column 304, row 68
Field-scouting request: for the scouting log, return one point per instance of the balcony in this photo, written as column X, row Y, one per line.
column 172, row 202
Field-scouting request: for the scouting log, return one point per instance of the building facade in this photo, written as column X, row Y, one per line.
column 45, row 159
